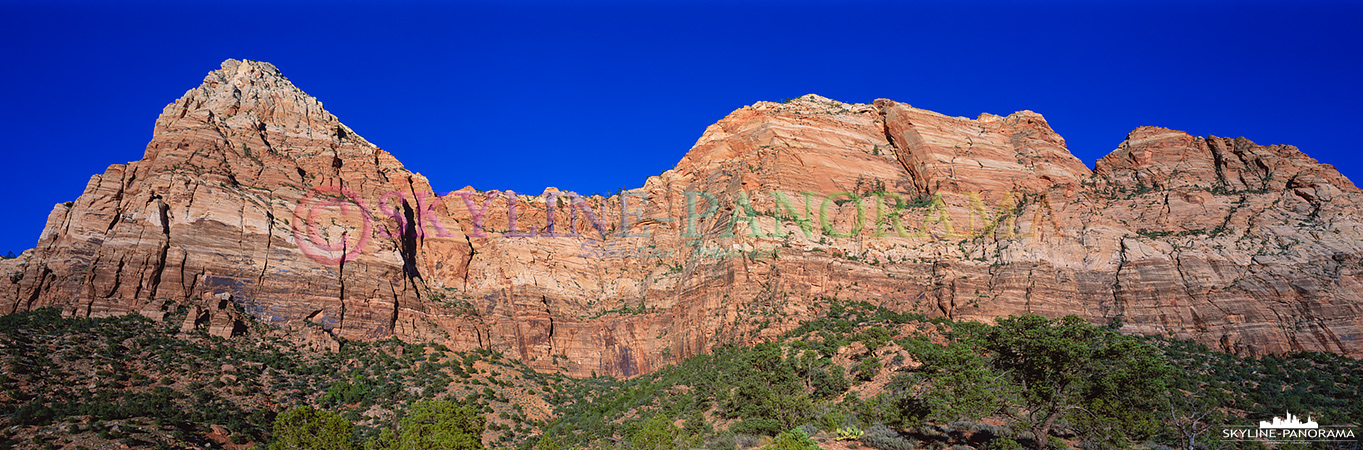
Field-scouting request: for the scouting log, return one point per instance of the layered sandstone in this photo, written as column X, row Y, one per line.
column 250, row 189
column 208, row 210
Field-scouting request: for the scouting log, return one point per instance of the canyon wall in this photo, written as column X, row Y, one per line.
column 250, row 193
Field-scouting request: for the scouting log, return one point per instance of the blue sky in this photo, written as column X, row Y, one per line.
column 594, row 96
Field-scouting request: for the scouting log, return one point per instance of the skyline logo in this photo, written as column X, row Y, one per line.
column 1291, row 422
column 1290, row 429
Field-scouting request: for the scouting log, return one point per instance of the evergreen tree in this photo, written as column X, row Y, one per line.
column 437, row 425
column 305, row 428
column 1043, row 372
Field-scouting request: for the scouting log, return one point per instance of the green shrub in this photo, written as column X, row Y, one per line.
column 437, row 425
column 547, row 443
column 1004, row 443
column 868, row 368
column 795, row 439
column 657, row 434
column 725, row 441
column 34, row 413
column 310, row 429
column 756, row 426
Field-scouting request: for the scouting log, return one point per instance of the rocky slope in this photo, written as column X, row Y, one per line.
column 251, row 194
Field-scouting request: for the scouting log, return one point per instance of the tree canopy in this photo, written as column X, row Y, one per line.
column 438, row 425
column 310, row 429
column 1041, row 373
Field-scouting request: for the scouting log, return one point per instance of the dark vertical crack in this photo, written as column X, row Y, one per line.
column 43, row 278
column 545, row 301
column 261, row 128
column 118, row 278
column 393, row 318
column 269, row 241
column 468, row 264
column 1177, row 256
column 1118, row 305
column 407, row 243
column 340, row 279
column 162, row 210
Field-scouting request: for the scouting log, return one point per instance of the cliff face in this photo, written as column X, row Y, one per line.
column 251, row 193
column 209, row 210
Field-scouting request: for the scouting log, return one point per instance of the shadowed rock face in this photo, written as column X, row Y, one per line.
column 250, row 191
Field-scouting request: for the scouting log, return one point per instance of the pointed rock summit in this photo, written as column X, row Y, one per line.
column 254, row 202
column 209, row 208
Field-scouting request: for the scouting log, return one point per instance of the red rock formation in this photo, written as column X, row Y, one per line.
column 775, row 210
column 208, row 209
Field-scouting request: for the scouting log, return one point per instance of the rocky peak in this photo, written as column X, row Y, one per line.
column 250, row 191
column 1161, row 158
column 991, row 155
column 226, row 201
column 250, row 95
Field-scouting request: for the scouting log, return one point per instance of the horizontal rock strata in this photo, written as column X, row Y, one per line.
column 251, row 193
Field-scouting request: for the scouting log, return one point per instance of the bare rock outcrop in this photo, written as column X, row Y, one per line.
column 251, row 192
column 208, row 209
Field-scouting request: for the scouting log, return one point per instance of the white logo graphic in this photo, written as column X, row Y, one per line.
column 1291, row 421
column 1290, row 429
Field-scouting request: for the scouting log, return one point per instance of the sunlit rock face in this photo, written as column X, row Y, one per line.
column 252, row 199
column 210, row 209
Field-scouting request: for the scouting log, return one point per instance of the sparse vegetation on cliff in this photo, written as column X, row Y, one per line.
column 907, row 380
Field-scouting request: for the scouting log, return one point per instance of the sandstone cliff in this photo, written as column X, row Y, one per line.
column 208, row 210
column 249, row 190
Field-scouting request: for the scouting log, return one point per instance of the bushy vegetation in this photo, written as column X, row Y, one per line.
column 795, row 439
column 306, row 428
column 163, row 388
column 1215, row 388
column 881, row 437
column 906, row 380
column 1041, row 373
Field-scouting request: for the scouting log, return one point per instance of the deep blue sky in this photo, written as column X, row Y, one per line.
column 596, row 96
